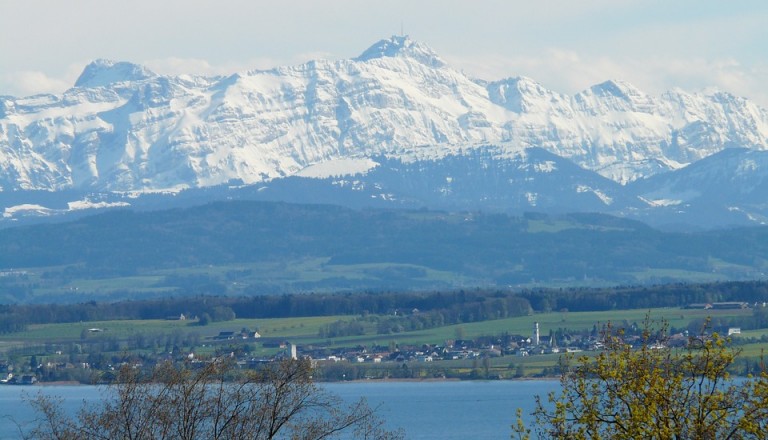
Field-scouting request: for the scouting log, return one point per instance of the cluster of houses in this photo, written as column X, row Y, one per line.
column 517, row 345
column 511, row 345
column 731, row 305
column 25, row 379
column 242, row 334
column 460, row 349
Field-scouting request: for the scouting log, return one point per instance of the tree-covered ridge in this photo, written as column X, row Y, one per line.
column 387, row 249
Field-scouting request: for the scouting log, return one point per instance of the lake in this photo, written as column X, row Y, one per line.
column 425, row 410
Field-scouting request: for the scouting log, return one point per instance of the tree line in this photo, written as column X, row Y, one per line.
column 434, row 308
column 453, row 306
column 644, row 297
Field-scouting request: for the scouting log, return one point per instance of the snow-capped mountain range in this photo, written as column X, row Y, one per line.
column 123, row 128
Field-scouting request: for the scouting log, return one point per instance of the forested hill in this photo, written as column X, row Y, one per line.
column 269, row 242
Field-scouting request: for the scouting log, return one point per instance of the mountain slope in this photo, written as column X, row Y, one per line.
column 124, row 128
column 479, row 179
column 727, row 188
column 257, row 248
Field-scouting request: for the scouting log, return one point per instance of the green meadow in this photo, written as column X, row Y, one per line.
column 305, row 330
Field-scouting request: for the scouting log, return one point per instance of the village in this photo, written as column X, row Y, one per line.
column 234, row 345
column 98, row 354
column 457, row 358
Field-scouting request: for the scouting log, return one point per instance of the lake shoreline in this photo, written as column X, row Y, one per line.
column 322, row 382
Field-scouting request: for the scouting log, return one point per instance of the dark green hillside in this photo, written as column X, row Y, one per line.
column 259, row 247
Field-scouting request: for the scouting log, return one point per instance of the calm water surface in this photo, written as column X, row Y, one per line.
column 425, row 410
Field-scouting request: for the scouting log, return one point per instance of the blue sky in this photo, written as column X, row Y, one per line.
column 566, row 45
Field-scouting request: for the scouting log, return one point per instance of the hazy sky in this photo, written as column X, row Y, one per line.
column 567, row 45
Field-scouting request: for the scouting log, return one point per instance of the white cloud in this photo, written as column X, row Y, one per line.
column 31, row 82
column 563, row 70
column 177, row 66
column 567, row 45
column 569, row 72
column 27, row 83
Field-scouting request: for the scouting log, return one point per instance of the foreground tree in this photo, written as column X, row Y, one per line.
column 652, row 391
column 278, row 401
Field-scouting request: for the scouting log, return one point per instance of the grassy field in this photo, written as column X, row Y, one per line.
column 306, row 329
column 523, row 325
column 54, row 282
column 282, row 328
column 652, row 274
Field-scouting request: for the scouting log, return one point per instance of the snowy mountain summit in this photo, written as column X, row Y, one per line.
column 402, row 46
column 103, row 73
column 124, row 128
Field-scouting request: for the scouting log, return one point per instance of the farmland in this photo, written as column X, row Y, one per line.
column 493, row 346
